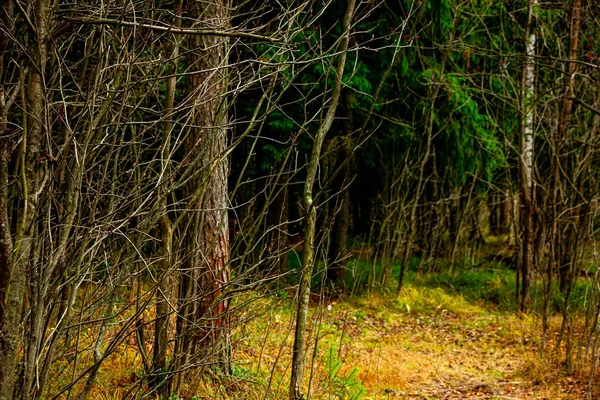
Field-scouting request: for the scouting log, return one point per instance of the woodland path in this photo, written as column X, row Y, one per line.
column 454, row 350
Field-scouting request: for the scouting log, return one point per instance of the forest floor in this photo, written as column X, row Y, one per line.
column 451, row 350
column 436, row 340
column 426, row 344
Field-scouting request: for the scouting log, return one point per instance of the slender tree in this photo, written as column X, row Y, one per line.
column 299, row 355
column 526, row 141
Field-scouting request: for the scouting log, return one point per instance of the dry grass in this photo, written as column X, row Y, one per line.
column 426, row 344
column 440, row 347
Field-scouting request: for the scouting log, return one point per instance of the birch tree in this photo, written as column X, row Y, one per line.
column 526, row 142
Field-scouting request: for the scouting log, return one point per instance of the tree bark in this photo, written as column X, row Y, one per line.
column 209, row 192
column 526, row 142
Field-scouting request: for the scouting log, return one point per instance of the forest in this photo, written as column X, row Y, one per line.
column 307, row 199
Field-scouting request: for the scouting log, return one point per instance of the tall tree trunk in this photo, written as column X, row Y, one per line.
column 299, row 356
column 209, row 193
column 526, row 141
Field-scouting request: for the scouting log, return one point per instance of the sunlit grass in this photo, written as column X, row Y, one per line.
column 447, row 335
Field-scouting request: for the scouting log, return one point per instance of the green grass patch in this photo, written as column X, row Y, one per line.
column 491, row 285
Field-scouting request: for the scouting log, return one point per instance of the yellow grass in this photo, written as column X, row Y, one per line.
column 425, row 343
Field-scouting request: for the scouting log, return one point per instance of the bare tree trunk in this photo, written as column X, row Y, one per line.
column 209, row 193
column 299, row 356
column 526, row 141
